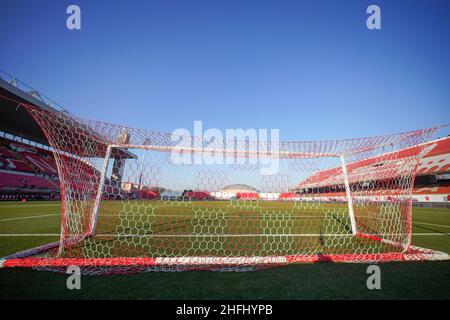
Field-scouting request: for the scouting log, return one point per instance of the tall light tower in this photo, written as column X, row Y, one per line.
column 119, row 160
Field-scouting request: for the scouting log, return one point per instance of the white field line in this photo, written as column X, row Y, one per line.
column 431, row 234
column 23, row 205
column 206, row 235
column 30, row 234
column 432, row 224
column 431, row 212
column 31, row 217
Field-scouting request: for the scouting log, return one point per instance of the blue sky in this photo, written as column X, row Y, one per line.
column 309, row 68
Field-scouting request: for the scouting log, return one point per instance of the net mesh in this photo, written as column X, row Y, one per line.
column 137, row 200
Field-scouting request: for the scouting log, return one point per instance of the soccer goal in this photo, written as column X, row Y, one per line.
column 135, row 200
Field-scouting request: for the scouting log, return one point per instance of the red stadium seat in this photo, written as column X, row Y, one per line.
column 22, row 181
column 247, row 196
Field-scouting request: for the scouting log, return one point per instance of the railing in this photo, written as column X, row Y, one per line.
column 12, row 80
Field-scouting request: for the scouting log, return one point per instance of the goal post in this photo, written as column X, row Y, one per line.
column 348, row 194
column 99, row 193
column 135, row 200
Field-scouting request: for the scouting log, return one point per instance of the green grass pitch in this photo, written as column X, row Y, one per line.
column 26, row 225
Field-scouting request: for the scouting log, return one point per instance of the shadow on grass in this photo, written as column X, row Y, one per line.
column 422, row 280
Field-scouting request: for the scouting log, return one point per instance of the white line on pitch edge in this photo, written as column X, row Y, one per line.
column 29, row 234
column 429, row 212
column 432, row 224
column 31, row 217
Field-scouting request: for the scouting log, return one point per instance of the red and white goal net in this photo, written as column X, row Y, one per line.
column 136, row 200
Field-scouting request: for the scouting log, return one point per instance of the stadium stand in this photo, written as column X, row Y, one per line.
column 432, row 183
column 44, row 165
column 24, row 181
column 147, row 194
column 27, row 172
column 10, row 161
column 438, row 188
column 196, row 195
column 30, row 172
column 247, row 196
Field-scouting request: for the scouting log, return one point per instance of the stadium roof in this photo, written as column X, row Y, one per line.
column 15, row 119
column 240, row 187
